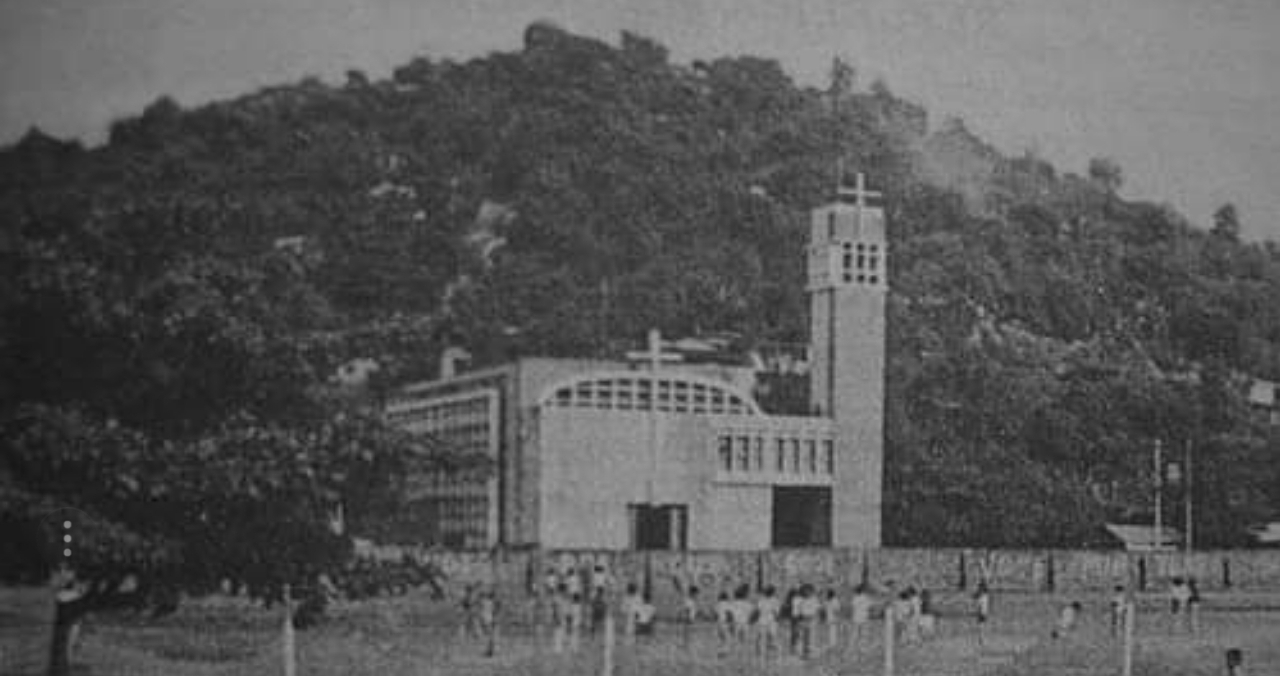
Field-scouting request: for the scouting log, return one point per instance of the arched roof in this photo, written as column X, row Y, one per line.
column 635, row 391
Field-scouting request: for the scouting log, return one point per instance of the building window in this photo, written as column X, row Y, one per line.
column 811, row 447
column 829, row 456
column 744, row 454
column 782, row 455
column 726, row 454
column 759, row 466
column 795, row 456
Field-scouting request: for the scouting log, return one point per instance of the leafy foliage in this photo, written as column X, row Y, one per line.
column 563, row 199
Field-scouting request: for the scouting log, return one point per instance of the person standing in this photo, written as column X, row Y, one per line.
column 688, row 614
column 806, row 611
column 630, row 612
column 1193, row 604
column 1119, row 606
column 1179, row 596
column 1067, row 617
column 982, row 607
column 767, row 611
column 830, row 614
column 860, row 614
column 724, row 623
column 487, row 612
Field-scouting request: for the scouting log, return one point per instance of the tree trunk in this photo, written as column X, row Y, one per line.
column 64, row 619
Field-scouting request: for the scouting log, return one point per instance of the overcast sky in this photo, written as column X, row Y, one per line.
column 1184, row 94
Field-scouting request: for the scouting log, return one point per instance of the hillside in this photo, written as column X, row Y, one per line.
column 562, row 199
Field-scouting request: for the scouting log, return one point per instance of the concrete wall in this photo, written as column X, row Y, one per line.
column 596, row 462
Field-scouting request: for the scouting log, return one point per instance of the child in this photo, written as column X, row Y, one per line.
column 831, row 617
column 1067, row 620
column 860, row 608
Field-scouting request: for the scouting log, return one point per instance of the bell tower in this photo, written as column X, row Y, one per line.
column 847, row 283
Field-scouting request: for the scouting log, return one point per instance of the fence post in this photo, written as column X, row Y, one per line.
column 1130, row 608
column 289, row 641
column 607, row 668
column 888, row 640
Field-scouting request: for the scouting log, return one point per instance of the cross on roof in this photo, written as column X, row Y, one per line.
column 654, row 355
column 858, row 192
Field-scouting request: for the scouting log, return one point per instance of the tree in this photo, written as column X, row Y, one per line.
column 1226, row 223
column 165, row 424
column 1106, row 174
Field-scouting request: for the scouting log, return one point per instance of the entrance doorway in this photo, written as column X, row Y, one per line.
column 801, row 516
column 658, row 527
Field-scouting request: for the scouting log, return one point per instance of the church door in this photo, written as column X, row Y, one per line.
column 657, row 527
column 801, row 516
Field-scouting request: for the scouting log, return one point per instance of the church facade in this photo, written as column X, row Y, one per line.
column 648, row 454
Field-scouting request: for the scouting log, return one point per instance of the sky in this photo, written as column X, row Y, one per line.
column 1184, row 94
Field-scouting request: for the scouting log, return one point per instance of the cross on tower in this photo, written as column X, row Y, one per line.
column 858, row 192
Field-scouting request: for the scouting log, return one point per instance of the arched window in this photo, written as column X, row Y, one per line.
column 638, row 391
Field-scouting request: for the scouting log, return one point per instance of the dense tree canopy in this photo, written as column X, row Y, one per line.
column 192, row 283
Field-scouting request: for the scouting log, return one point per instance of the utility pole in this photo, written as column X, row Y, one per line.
column 1186, row 497
column 1158, row 534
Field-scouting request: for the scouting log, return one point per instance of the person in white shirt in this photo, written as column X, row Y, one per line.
column 860, row 610
column 806, row 611
column 600, row 579
column 631, row 612
column 982, row 607
column 767, row 610
column 645, row 614
column 831, row 618
column 741, row 608
column 1179, row 600
column 1119, row 606
column 724, row 623
column 1067, row 620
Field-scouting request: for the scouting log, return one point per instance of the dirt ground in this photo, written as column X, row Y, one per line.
column 413, row 635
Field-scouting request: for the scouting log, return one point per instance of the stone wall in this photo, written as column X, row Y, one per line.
column 666, row 574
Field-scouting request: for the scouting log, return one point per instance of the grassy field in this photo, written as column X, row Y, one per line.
column 415, row 636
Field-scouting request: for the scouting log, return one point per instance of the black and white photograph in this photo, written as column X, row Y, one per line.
column 639, row 338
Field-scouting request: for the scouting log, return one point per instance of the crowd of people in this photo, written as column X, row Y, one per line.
column 802, row 621
column 766, row 622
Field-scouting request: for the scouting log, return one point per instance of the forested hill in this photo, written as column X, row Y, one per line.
column 564, row 198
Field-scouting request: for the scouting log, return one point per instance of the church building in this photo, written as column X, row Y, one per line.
column 646, row 453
